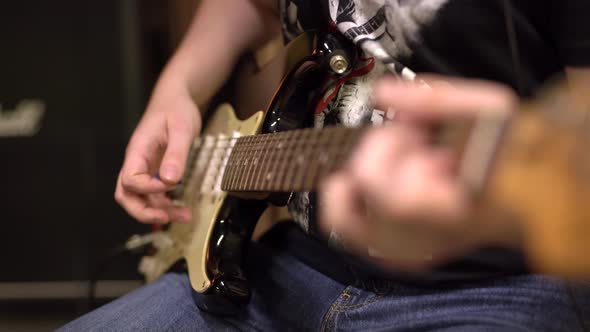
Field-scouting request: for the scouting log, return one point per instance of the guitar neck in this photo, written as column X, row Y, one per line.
column 289, row 161
column 297, row 160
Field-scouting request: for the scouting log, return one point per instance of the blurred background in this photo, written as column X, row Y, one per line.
column 75, row 77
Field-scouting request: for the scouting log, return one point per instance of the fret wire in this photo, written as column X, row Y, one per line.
column 256, row 152
column 335, row 160
column 324, row 158
column 259, row 160
column 238, row 153
column 209, row 163
column 230, row 172
column 194, row 174
column 227, row 171
column 265, row 159
column 345, row 140
column 312, row 154
column 269, row 163
column 309, row 155
column 244, row 163
column 299, row 161
column 233, row 160
column 319, row 155
column 302, row 167
column 249, row 159
column 282, row 162
column 265, row 146
column 275, row 162
column 314, row 149
column 237, row 163
column 292, row 165
column 296, row 161
column 316, row 165
column 263, row 152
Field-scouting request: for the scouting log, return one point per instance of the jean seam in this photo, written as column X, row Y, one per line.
column 327, row 318
column 359, row 305
column 329, row 323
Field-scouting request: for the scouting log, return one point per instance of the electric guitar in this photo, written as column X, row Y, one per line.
column 533, row 164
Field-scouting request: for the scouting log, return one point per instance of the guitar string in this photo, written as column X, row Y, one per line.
column 253, row 147
column 254, row 143
column 222, row 138
column 337, row 150
column 258, row 139
column 337, row 154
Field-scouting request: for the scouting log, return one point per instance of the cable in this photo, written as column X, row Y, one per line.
column 100, row 269
column 135, row 245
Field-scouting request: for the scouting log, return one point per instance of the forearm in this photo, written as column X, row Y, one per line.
column 221, row 31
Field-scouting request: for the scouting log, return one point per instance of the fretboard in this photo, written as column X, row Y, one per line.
column 288, row 161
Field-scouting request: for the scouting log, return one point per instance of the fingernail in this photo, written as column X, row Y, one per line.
column 170, row 173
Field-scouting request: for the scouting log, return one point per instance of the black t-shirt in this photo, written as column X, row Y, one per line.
column 461, row 37
column 521, row 43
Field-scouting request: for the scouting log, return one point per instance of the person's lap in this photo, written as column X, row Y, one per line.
column 289, row 295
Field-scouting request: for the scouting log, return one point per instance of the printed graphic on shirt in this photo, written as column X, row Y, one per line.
column 385, row 31
column 383, row 28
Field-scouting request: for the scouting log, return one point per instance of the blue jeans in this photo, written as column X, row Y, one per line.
column 288, row 295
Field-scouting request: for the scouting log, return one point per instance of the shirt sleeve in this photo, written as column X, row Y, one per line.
column 570, row 29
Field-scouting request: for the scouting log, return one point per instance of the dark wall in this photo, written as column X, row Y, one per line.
column 85, row 60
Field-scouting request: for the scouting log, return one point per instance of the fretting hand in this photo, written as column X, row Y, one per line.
column 398, row 195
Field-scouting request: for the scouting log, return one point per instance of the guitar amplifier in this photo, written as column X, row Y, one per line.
column 74, row 78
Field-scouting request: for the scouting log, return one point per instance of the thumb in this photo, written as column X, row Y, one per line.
column 181, row 133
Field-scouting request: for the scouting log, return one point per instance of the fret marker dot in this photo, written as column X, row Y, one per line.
column 268, row 176
column 324, row 158
column 300, row 159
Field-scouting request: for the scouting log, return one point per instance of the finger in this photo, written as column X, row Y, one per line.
column 138, row 207
column 137, row 173
column 456, row 97
column 381, row 147
column 342, row 212
column 181, row 133
column 144, row 184
column 406, row 180
column 175, row 213
column 418, row 189
column 424, row 189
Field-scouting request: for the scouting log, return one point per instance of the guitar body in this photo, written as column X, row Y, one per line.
column 191, row 242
